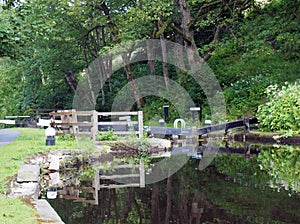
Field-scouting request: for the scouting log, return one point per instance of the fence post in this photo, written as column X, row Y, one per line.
column 142, row 174
column 94, row 128
column 73, row 119
column 141, row 124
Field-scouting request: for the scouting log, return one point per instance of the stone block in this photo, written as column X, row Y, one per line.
column 54, row 179
column 26, row 190
column 28, row 173
column 54, row 163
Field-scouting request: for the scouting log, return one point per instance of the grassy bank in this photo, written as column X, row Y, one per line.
column 12, row 156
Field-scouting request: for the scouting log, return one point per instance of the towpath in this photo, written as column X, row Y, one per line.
column 8, row 135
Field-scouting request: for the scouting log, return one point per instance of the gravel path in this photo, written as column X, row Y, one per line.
column 7, row 136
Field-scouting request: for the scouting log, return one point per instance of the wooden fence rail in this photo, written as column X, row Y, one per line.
column 90, row 122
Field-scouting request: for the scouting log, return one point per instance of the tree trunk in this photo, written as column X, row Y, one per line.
column 164, row 56
column 154, row 204
column 85, row 95
column 115, row 205
column 196, row 212
column 178, row 56
column 189, row 41
column 138, row 210
column 128, row 205
column 169, row 200
column 151, row 61
column 183, row 201
column 131, row 80
column 91, row 85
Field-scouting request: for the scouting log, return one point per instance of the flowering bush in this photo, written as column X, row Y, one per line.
column 282, row 111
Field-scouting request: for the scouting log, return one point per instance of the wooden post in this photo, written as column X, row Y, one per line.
column 73, row 119
column 141, row 124
column 193, row 138
column 94, row 128
column 96, row 186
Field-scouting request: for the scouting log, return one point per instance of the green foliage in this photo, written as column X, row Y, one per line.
column 86, row 143
column 143, row 146
column 108, row 135
column 88, row 173
column 257, row 52
column 245, row 172
column 66, row 137
column 283, row 165
column 246, row 94
column 282, row 111
column 67, row 140
column 47, row 41
column 10, row 88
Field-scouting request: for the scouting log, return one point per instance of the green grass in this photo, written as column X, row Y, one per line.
column 12, row 156
column 14, row 211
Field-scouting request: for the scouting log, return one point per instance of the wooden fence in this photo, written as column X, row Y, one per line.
column 90, row 122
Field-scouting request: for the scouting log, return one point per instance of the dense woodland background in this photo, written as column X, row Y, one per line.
column 46, row 46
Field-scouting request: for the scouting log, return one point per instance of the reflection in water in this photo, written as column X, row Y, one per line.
column 86, row 188
column 235, row 188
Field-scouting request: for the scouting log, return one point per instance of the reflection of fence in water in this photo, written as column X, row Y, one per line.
column 88, row 191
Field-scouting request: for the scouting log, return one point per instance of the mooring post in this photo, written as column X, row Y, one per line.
column 193, row 110
column 161, row 122
column 166, row 113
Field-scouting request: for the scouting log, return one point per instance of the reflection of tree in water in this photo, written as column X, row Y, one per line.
column 189, row 196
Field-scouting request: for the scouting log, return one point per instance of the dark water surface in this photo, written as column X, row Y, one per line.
column 261, row 187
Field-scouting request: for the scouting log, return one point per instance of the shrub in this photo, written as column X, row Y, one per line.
column 108, row 135
column 245, row 95
column 282, row 111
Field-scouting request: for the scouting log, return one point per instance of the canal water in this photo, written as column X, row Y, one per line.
column 247, row 183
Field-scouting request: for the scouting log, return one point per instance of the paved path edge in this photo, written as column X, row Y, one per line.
column 46, row 212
